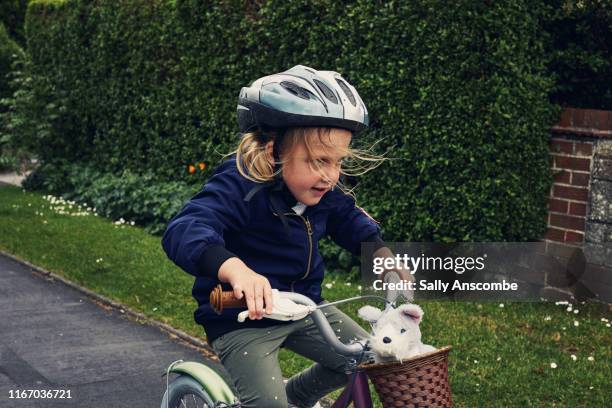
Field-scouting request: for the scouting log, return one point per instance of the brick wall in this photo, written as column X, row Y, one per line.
column 580, row 204
column 581, row 160
column 567, row 205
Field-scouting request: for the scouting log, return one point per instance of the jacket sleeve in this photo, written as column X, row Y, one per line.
column 349, row 225
column 194, row 237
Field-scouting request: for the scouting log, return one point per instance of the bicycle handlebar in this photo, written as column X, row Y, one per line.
column 220, row 299
column 318, row 317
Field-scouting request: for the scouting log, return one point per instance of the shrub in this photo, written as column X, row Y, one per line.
column 12, row 151
column 458, row 94
column 138, row 198
column 12, row 14
column 578, row 44
column 9, row 51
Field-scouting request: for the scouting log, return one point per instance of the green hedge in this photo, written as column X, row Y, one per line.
column 9, row 50
column 12, row 15
column 11, row 152
column 578, row 43
column 458, row 93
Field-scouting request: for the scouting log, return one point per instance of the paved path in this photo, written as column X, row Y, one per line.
column 53, row 337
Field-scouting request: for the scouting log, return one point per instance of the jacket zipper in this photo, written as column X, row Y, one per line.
column 309, row 231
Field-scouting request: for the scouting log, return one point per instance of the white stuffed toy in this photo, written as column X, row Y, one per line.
column 395, row 332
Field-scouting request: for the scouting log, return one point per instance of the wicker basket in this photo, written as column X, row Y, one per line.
column 421, row 381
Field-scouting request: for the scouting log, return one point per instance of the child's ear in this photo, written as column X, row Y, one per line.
column 270, row 151
column 369, row 313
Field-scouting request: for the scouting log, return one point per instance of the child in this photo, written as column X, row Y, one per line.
column 256, row 224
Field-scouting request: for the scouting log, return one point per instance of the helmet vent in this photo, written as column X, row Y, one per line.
column 329, row 94
column 347, row 91
column 295, row 89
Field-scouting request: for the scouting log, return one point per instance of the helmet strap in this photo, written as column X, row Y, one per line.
column 276, row 146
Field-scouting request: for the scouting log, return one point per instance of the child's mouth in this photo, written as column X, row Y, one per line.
column 319, row 190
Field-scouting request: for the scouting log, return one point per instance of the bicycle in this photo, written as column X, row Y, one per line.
column 199, row 386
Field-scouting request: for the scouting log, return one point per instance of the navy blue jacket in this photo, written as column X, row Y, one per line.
column 219, row 223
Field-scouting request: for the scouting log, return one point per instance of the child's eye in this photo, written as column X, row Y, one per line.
column 326, row 162
column 403, row 331
column 320, row 162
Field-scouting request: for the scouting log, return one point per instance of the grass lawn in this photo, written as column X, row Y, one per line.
column 504, row 355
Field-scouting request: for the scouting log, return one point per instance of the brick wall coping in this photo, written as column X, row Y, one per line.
column 585, row 122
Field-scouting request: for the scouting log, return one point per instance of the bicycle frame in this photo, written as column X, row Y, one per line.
column 356, row 391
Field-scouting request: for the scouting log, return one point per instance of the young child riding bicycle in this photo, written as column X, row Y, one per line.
column 256, row 223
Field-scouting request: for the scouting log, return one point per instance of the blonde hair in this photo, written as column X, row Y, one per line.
column 253, row 160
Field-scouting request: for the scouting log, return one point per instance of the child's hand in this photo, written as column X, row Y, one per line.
column 402, row 273
column 247, row 282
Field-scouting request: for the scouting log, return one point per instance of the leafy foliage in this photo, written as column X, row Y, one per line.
column 9, row 50
column 458, row 94
column 578, row 44
column 12, row 15
column 133, row 197
column 12, row 151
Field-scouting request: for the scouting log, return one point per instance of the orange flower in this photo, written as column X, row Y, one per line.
column 191, row 169
column 202, row 166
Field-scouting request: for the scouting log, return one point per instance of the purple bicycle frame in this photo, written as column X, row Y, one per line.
column 358, row 393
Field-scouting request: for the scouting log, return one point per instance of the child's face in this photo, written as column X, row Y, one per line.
column 309, row 177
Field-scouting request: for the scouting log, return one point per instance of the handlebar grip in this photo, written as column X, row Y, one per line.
column 220, row 299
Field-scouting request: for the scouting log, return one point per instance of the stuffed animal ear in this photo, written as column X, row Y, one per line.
column 412, row 311
column 369, row 313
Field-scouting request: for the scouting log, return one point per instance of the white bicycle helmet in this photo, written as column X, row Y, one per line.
column 301, row 96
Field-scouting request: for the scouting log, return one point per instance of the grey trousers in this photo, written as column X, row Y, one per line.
column 251, row 357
